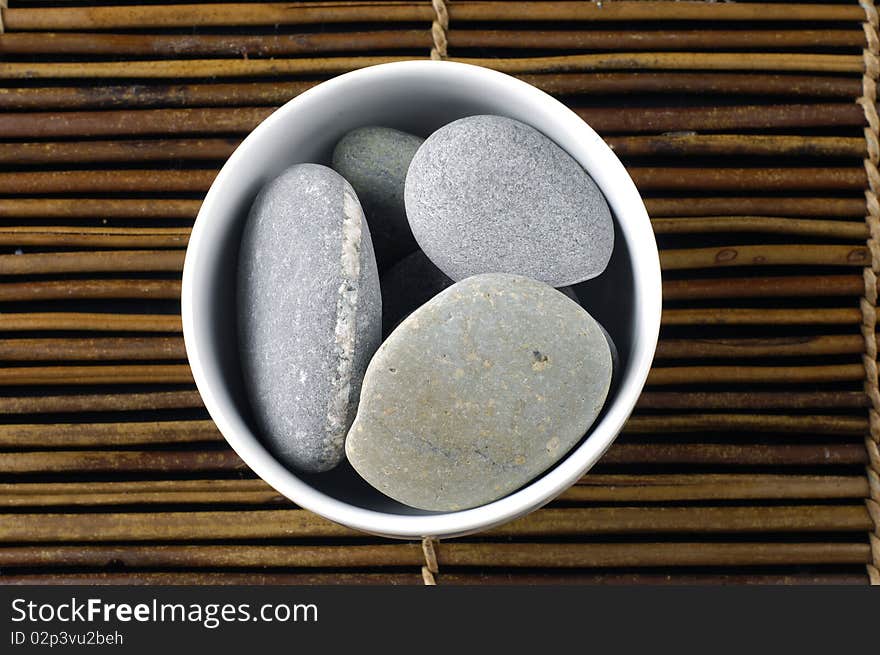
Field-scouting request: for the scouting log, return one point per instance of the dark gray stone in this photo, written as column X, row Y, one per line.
column 309, row 313
column 412, row 282
column 490, row 194
column 478, row 392
column 408, row 285
column 375, row 160
column 568, row 291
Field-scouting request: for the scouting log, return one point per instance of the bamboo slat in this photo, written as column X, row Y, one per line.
column 843, row 344
column 121, row 261
column 840, row 426
column 231, row 120
column 728, row 316
column 853, row 207
column 180, row 95
column 752, row 400
column 651, row 554
column 88, row 375
column 293, row 523
column 109, row 402
column 232, row 68
column 304, row 43
column 707, row 145
column 214, row 68
column 818, row 63
column 140, row 122
column 337, row 577
column 489, row 555
column 699, row 84
column 657, row 40
column 162, row 492
column 131, row 150
column 835, row 229
column 765, row 255
column 90, row 348
column 664, row 488
column 622, row 520
column 749, row 179
column 44, row 19
column 450, row 576
column 96, row 237
column 89, row 289
column 750, row 455
column 98, row 322
column 159, row 462
column 795, row 286
column 73, row 435
column 55, row 208
column 96, row 181
column 231, row 94
column 755, row 374
column 268, row 14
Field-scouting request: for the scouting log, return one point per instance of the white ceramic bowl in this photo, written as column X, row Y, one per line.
column 418, row 97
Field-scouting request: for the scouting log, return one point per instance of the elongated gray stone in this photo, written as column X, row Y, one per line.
column 490, row 194
column 375, row 160
column 309, row 313
column 478, row 392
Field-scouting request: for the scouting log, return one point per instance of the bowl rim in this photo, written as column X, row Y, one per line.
column 644, row 260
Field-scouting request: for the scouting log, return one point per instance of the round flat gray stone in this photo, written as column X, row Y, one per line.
column 477, row 392
column 374, row 160
column 490, row 194
column 309, row 313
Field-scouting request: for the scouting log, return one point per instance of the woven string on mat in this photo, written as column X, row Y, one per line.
column 439, row 28
column 868, row 101
column 431, row 568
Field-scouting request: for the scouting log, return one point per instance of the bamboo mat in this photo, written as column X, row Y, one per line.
column 750, row 129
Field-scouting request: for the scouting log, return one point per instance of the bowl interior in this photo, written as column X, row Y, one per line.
column 416, row 97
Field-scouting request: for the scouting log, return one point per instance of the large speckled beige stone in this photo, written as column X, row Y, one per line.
column 477, row 392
